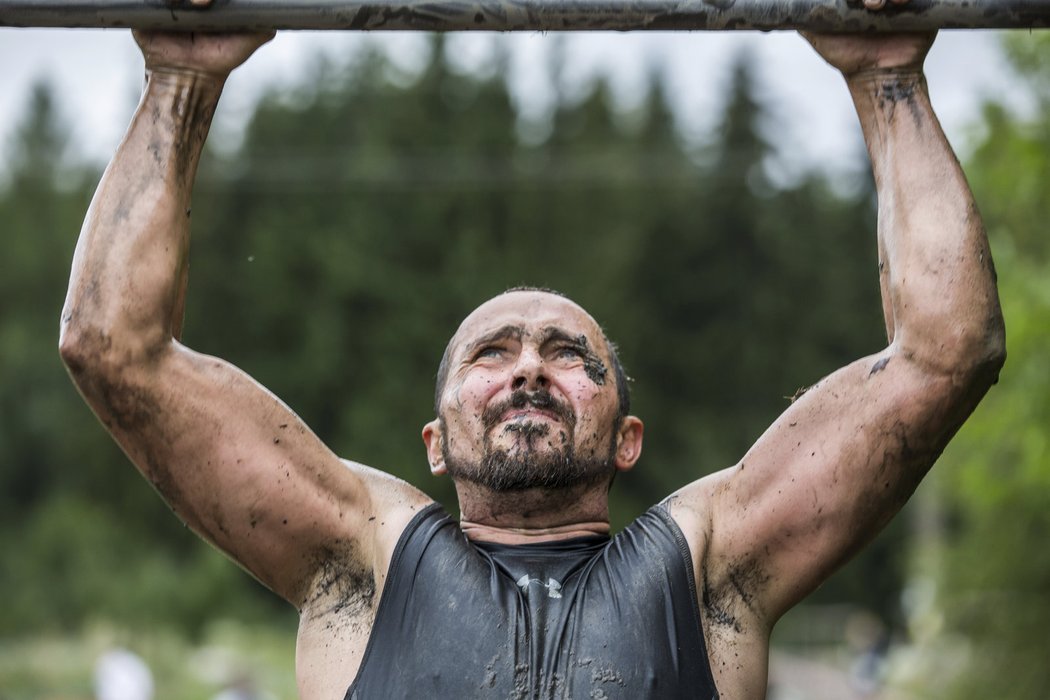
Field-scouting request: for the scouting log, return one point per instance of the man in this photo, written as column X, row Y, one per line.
column 526, row 596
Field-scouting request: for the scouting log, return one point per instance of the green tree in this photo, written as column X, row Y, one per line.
column 992, row 566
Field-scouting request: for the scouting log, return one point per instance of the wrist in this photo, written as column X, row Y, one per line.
column 876, row 78
column 180, row 104
column 884, row 87
column 182, row 78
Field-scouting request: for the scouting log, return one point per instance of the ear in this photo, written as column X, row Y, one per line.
column 432, row 439
column 629, row 443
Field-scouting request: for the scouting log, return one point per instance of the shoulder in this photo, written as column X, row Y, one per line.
column 357, row 554
column 691, row 508
column 387, row 493
column 393, row 504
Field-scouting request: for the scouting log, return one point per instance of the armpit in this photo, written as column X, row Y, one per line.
column 344, row 588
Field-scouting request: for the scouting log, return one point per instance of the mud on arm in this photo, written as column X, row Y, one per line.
column 844, row 458
column 229, row 458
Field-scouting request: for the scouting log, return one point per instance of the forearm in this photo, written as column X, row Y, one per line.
column 129, row 270
column 935, row 265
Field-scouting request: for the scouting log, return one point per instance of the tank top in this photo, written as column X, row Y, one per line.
column 593, row 617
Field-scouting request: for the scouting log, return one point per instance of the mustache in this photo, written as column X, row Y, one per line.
column 540, row 399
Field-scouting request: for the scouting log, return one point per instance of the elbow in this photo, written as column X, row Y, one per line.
column 971, row 354
column 992, row 353
column 114, row 377
column 95, row 352
column 99, row 360
column 98, row 344
column 980, row 354
column 85, row 350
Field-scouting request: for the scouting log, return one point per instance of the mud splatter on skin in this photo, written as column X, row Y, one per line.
column 129, row 408
column 895, row 89
column 540, row 399
column 900, row 468
column 715, row 606
column 148, row 428
column 592, row 364
column 741, row 584
column 457, row 389
column 344, row 587
column 154, row 150
column 190, row 114
column 530, row 432
column 746, row 579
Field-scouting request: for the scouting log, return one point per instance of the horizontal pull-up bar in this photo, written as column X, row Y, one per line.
column 528, row 15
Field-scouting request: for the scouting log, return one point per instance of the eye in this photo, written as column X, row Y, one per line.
column 568, row 352
column 489, row 351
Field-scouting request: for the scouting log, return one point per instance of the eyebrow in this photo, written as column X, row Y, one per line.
column 502, row 333
column 553, row 333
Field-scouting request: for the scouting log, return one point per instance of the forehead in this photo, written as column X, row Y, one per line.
column 531, row 312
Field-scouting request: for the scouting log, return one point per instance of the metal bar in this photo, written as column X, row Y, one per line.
column 528, row 15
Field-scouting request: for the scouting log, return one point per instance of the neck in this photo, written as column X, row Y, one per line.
column 479, row 532
column 535, row 515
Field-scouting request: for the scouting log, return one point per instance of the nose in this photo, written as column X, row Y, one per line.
column 529, row 372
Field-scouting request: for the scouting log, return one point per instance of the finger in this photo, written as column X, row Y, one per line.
column 200, row 3
column 874, row 4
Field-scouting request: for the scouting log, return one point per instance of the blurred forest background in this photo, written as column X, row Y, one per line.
column 367, row 211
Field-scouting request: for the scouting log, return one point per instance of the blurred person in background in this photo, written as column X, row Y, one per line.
column 122, row 675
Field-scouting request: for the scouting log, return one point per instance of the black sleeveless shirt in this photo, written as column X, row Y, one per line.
column 591, row 617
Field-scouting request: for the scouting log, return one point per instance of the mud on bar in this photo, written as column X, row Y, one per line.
column 527, row 15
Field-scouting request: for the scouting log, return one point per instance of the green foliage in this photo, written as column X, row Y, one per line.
column 74, row 550
column 996, row 565
column 1030, row 57
column 1010, row 171
column 337, row 250
column 41, row 144
column 46, row 666
column 739, row 282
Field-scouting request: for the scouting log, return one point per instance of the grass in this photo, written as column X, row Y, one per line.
column 62, row 667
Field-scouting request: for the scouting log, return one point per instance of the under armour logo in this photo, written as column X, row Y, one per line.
column 553, row 587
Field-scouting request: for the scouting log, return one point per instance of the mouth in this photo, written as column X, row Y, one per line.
column 523, row 408
column 516, row 415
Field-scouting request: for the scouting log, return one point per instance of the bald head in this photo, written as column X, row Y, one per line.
column 554, row 302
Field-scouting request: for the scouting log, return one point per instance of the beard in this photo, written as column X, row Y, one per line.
column 528, row 466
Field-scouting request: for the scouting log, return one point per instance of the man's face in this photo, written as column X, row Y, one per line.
column 530, row 400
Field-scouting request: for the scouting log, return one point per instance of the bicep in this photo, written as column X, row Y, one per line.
column 236, row 464
column 825, row 478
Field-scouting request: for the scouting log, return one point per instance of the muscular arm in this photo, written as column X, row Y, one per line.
column 844, row 458
column 232, row 461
